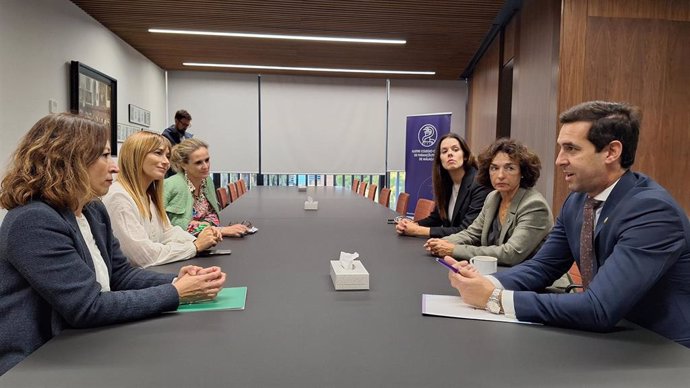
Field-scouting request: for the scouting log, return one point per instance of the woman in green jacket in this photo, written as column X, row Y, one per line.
column 190, row 198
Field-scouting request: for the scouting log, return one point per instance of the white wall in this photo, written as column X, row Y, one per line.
column 38, row 39
column 225, row 114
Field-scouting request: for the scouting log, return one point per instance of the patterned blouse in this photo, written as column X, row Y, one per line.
column 203, row 214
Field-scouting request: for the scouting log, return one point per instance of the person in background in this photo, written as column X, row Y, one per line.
column 515, row 217
column 628, row 236
column 458, row 196
column 190, row 197
column 135, row 206
column 60, row 265
column 178, row 131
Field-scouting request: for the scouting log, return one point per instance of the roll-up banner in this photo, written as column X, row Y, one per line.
column 423, row 131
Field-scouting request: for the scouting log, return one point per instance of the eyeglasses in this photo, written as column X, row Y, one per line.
column 185, row 124
column 509, row 169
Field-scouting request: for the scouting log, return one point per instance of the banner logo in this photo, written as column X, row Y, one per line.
column 427, row 135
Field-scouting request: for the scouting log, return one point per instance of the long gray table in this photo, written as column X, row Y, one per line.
column 297, row 331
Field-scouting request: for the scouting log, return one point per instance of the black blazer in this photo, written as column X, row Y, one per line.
column 467, row 207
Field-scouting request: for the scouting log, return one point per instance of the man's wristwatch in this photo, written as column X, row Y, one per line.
column 494, row 304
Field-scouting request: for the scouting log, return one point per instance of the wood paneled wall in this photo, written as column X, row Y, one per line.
column 635, row 51
column 535, row 84
column 482, row 107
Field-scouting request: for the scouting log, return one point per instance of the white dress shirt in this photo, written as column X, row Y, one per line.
column 453, row 199
column 145, row 242
column 507, row 297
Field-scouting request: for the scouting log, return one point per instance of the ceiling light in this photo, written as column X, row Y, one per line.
column 321, row 69
column 275, row 36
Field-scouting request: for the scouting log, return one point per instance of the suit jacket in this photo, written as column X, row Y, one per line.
column 529, row 220
column 49, row 282
column 642, row 245
column 467, row 207
column 179, row 200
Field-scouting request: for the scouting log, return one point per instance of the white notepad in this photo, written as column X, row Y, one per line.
column 455, row 307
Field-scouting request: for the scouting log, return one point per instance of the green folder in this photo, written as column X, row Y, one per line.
column 232, row 298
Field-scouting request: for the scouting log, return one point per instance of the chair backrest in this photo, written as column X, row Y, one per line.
column 355, row 184
column 385, row 196
column 233, row 191
column 372, row 192
column 575, row 279
column 403, row 200
column 423, row 209
column 362, row 188
column 241, row 187
column 222, row 195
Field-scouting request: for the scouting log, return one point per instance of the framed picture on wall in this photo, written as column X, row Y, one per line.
column 94, row 95
column 139, row 115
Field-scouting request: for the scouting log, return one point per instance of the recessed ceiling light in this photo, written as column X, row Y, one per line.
column 320, row 69
column 276, row 36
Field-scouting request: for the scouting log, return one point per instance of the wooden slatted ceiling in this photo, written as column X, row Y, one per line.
column 441, row 36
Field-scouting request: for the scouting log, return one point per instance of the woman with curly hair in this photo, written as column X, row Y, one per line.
column 60, row 265
column 515, row 217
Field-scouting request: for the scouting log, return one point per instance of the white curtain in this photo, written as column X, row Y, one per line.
column 318, row 125
column 225, row 114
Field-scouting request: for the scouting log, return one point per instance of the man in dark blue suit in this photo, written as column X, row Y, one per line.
column 639, row 265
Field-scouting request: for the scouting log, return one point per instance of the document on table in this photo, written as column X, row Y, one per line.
column 232, row 298
column 455, row 307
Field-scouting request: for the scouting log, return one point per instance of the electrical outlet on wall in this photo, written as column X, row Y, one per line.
column 52, row 106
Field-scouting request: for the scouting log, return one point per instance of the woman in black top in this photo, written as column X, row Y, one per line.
column 459, row 198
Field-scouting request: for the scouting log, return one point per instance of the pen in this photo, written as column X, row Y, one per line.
column 450, row 267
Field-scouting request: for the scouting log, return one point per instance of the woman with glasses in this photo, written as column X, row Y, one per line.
column 135, row 206
column 515, row 217
column 458, row 196
column 60, row 265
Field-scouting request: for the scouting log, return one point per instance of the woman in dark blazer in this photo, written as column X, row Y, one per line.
column 60, row 265
column 458, row 196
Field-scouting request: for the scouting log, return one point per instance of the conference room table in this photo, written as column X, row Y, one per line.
column 298, row 331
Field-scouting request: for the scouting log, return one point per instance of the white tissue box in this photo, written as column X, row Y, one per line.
column 311, row 205
column 301, row 188
column 349, row 279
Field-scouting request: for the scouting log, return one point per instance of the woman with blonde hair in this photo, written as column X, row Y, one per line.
column 60, row 265
column 135, row 206
column 190, row 197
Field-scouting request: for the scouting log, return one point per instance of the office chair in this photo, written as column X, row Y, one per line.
column 362, row 188
column 385, row 196
column 241, row 187
column 401, row 207
column 222, row 197
column 372, row 192
column 423, row 209
column 233, row 191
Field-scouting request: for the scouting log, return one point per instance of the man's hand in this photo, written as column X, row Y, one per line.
column 474, row 288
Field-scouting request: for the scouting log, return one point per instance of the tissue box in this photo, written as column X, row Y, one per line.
column 349, row 279
column 301, row 188
column 311, row 205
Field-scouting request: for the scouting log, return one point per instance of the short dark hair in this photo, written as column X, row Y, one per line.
column 182, row 114
column 530, row 165
column 610, row 121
